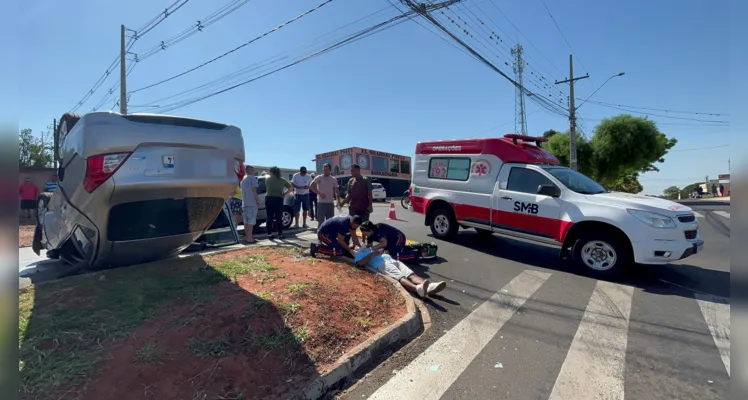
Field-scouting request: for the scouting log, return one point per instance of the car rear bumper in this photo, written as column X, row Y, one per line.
column 145, row 250
column 661, row 251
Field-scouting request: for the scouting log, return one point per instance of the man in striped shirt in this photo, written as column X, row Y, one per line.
column 51, row 185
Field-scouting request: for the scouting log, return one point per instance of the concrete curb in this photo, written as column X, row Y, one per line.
column 408, row 327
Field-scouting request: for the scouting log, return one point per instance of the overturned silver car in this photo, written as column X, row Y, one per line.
column 136, row 188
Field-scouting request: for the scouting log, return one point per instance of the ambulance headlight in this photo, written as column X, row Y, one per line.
column 653, row 219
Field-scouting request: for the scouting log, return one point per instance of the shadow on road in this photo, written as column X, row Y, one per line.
column 680, row 279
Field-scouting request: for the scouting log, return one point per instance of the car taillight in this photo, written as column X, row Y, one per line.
column 100, row 168
column 239, row 169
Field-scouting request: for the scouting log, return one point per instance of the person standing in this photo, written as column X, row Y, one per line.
column 51, row 185
column 359, row 194
column 235, row 205
column 29, row 193
column 300, row 182
column 714, row 190
column 277, row 188
column 326, row 188
column 312, row 201
column 721, row 190
column 251, row 202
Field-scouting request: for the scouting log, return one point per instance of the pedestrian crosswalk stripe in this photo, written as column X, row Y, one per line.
column 452, row 353
column 595, row 364
column 717, row 316
column 723, row 214
column 698, row 215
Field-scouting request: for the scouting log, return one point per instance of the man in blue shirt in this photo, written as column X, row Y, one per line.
column 395, row 269
column 387, row 237
column 335, row 234
column 51, row 185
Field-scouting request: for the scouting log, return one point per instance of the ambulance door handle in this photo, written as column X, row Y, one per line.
column 506, row 198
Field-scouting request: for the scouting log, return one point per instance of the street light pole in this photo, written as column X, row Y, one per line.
column 599, row 87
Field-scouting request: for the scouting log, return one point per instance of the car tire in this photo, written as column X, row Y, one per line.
column 288, row 216
column 66, row 124
column 602, row 254
column 443, row 224
column 42, row 204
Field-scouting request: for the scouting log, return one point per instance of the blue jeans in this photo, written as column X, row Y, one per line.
column 301, row 200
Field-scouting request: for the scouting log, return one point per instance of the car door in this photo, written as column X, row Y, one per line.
column 518, row 208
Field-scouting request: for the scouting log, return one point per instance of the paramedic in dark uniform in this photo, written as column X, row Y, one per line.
column 387, row 237
column 335, row 234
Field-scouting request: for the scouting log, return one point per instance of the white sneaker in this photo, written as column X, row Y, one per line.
column 436, row 287
column 420, row 289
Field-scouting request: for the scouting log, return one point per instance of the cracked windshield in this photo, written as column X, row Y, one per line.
column 377, row 199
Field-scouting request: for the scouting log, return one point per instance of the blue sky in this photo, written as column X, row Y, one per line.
column 402, row 85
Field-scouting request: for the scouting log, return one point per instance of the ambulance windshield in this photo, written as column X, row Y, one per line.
column 576, row 181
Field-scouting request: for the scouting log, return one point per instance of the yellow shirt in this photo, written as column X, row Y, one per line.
column 237, row 193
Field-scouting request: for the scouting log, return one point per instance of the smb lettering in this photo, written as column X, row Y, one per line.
column 530, row 208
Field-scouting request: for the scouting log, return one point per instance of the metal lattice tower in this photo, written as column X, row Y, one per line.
column 520, row 116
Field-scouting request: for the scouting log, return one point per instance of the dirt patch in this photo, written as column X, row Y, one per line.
column 254, row 323
column 26, row 231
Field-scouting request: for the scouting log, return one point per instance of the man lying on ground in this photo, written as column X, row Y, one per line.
column 385, row 264
column 335, row 234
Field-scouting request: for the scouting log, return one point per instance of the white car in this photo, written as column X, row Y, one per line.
column 378, row 192
column 513, row 188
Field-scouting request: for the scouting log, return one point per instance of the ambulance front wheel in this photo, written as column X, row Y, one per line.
column 443, row 224
column 602, row 253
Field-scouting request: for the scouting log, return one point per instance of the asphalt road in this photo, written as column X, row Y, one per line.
column 516, row 323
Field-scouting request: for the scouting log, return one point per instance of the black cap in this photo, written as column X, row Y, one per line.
column 302, row 169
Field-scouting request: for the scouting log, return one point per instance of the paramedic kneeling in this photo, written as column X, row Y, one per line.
column 398, row 271
column 335, row 234
column 387, row 237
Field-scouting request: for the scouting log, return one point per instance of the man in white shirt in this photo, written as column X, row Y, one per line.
column 300, row 182
column 326, row 187
column 250, row 201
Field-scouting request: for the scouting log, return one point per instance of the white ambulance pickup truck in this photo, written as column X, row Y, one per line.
column 513, row 187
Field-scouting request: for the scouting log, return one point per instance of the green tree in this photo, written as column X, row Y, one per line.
column 671, row 192
column 33, row 151
column 688, row 189
column 621, row 148
column 549, row 133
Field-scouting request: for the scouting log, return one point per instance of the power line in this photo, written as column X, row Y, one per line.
column 235, row 48
column 201, row 24
column 549, row 106
column 659, row 109
column 270, row 60
column 350, row 39
column 702, row 148
column 145, row 28
column 661, row 115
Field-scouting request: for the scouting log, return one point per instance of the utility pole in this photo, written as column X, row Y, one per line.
column 520, row 116
column 122, row 74
column 572, row 114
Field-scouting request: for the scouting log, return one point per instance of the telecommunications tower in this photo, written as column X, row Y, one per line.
column 520, row 116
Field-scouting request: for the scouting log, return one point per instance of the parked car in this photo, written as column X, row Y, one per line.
column 378, row 192
column 136, row 188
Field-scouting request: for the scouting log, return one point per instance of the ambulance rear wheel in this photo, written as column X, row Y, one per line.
column 602, row 253
column 443, row 224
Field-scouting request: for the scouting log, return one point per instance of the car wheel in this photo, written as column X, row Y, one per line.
column 443, row 224
column 287, row 217
column 602, row 253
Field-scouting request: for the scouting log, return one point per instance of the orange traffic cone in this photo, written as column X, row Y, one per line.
column 392, row 214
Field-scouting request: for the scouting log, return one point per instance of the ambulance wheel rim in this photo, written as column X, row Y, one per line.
column 599, row 255
column 441, row 224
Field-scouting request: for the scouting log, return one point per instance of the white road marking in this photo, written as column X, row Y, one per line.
column 454, row 351
column 717, row 316
column 698, row 215
column 723, row 214
column 596, row 361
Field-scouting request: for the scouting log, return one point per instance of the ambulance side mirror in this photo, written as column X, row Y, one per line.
column 549, row 190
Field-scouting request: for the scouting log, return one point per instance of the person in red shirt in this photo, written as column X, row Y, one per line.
column 28, row 192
